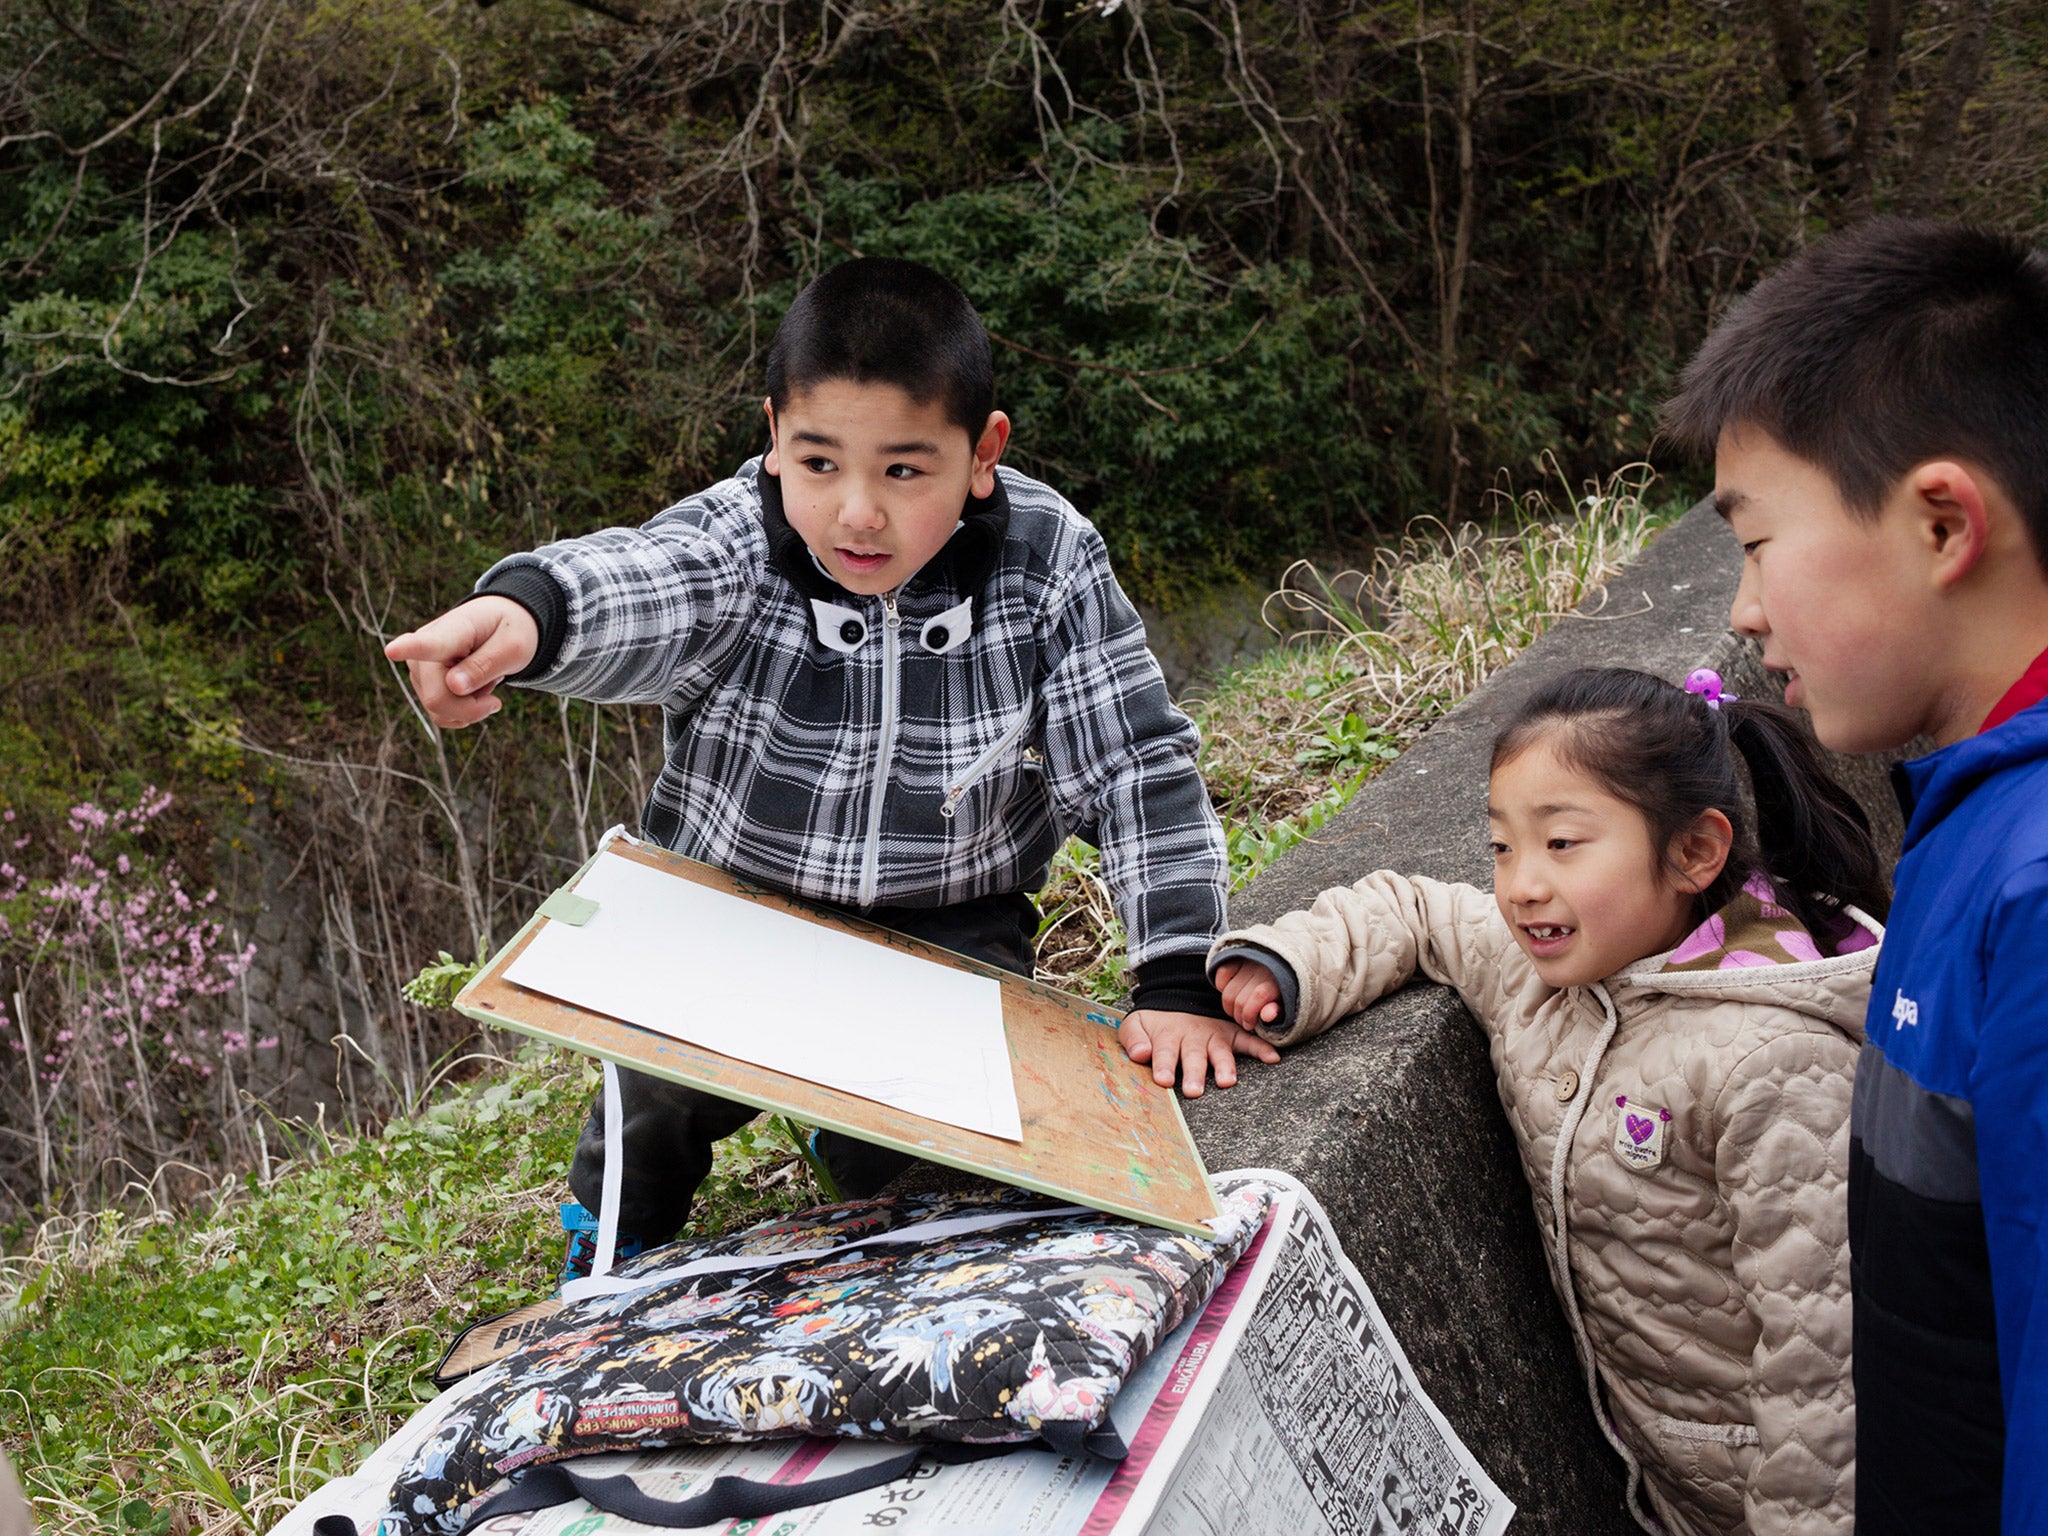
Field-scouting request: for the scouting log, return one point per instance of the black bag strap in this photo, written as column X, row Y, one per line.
column 727, row 1498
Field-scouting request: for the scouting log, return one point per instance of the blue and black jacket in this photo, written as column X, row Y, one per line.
column 1948, row 1183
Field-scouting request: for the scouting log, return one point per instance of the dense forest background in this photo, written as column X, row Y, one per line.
column 309, row 309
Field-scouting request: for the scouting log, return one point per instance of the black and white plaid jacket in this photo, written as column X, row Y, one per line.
column 920, row 749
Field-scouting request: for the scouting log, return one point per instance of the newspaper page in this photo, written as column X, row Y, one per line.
column 1315, row 1422
column 1286, row 1405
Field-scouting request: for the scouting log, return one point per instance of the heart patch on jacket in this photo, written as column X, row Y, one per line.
column 1639, row 1133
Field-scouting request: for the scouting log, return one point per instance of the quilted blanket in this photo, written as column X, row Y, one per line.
column 963, row 1318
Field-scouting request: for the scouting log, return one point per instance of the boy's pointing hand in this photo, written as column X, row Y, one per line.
column 1189, row 1044
column 458, row 660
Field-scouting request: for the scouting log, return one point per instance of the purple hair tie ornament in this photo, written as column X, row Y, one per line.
column 1706, row 682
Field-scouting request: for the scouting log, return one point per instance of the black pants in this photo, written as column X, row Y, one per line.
column 667, row 1130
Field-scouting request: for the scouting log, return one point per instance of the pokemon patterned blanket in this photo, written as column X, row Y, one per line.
column 974, row 1319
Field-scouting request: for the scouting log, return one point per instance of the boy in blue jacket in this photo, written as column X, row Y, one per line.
column 894, row 676
column 1878, row 414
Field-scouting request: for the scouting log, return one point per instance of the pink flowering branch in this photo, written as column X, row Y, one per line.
column 118, row 969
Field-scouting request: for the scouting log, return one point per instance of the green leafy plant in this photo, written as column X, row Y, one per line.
column 441, row 979
column 1354, row 745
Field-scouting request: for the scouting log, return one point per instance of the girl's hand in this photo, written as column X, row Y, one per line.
column 1190, row 1044
column 1250, row 994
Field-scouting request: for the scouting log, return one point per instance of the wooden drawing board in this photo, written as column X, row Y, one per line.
column 1097, row 1130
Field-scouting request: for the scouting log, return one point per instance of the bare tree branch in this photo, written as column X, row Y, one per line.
column 1874, row 102
column 618, row 13
column 1805, row 92
column 1943, row 116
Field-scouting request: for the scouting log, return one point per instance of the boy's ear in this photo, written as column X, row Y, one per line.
column 1700, row 852
column 771, row 461
column 988, row 452
column 1951, row 506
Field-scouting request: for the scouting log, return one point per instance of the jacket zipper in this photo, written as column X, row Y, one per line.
column 1560, row 1225
column 982, row 764
column 871, row 855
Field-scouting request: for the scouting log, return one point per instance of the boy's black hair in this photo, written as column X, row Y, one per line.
column 880, row 320
column 1892, row 343
column 1672, row 756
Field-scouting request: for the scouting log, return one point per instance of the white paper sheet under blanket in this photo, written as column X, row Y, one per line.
column 765, row 987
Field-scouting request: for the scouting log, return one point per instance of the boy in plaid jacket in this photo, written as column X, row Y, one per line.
column 894, row 675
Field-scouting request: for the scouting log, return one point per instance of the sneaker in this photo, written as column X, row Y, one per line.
column 581, row 1224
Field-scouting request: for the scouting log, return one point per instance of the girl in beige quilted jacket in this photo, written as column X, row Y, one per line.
column 1673, row 986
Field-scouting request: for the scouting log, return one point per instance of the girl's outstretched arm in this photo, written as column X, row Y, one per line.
column 1360, row 942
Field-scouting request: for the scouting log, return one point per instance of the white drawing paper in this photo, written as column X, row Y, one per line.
column 769, row 988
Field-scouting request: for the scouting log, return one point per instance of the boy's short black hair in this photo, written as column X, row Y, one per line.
column 880, row 320
column 1896, row 342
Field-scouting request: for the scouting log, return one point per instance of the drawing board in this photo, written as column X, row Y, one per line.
column 768, row 987
column 1091, row 1126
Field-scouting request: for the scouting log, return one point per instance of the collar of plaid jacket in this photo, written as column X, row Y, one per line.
column 963, row 567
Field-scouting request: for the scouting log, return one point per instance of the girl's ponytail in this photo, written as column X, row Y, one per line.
column 1810, row 833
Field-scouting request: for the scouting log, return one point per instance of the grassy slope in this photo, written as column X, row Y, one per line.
column 165, row 1374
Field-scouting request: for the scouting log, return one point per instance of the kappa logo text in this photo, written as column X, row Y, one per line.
column 1905, row 1011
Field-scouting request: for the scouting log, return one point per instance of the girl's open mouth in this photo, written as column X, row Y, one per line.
column 1547, row 938
column 863, row 562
